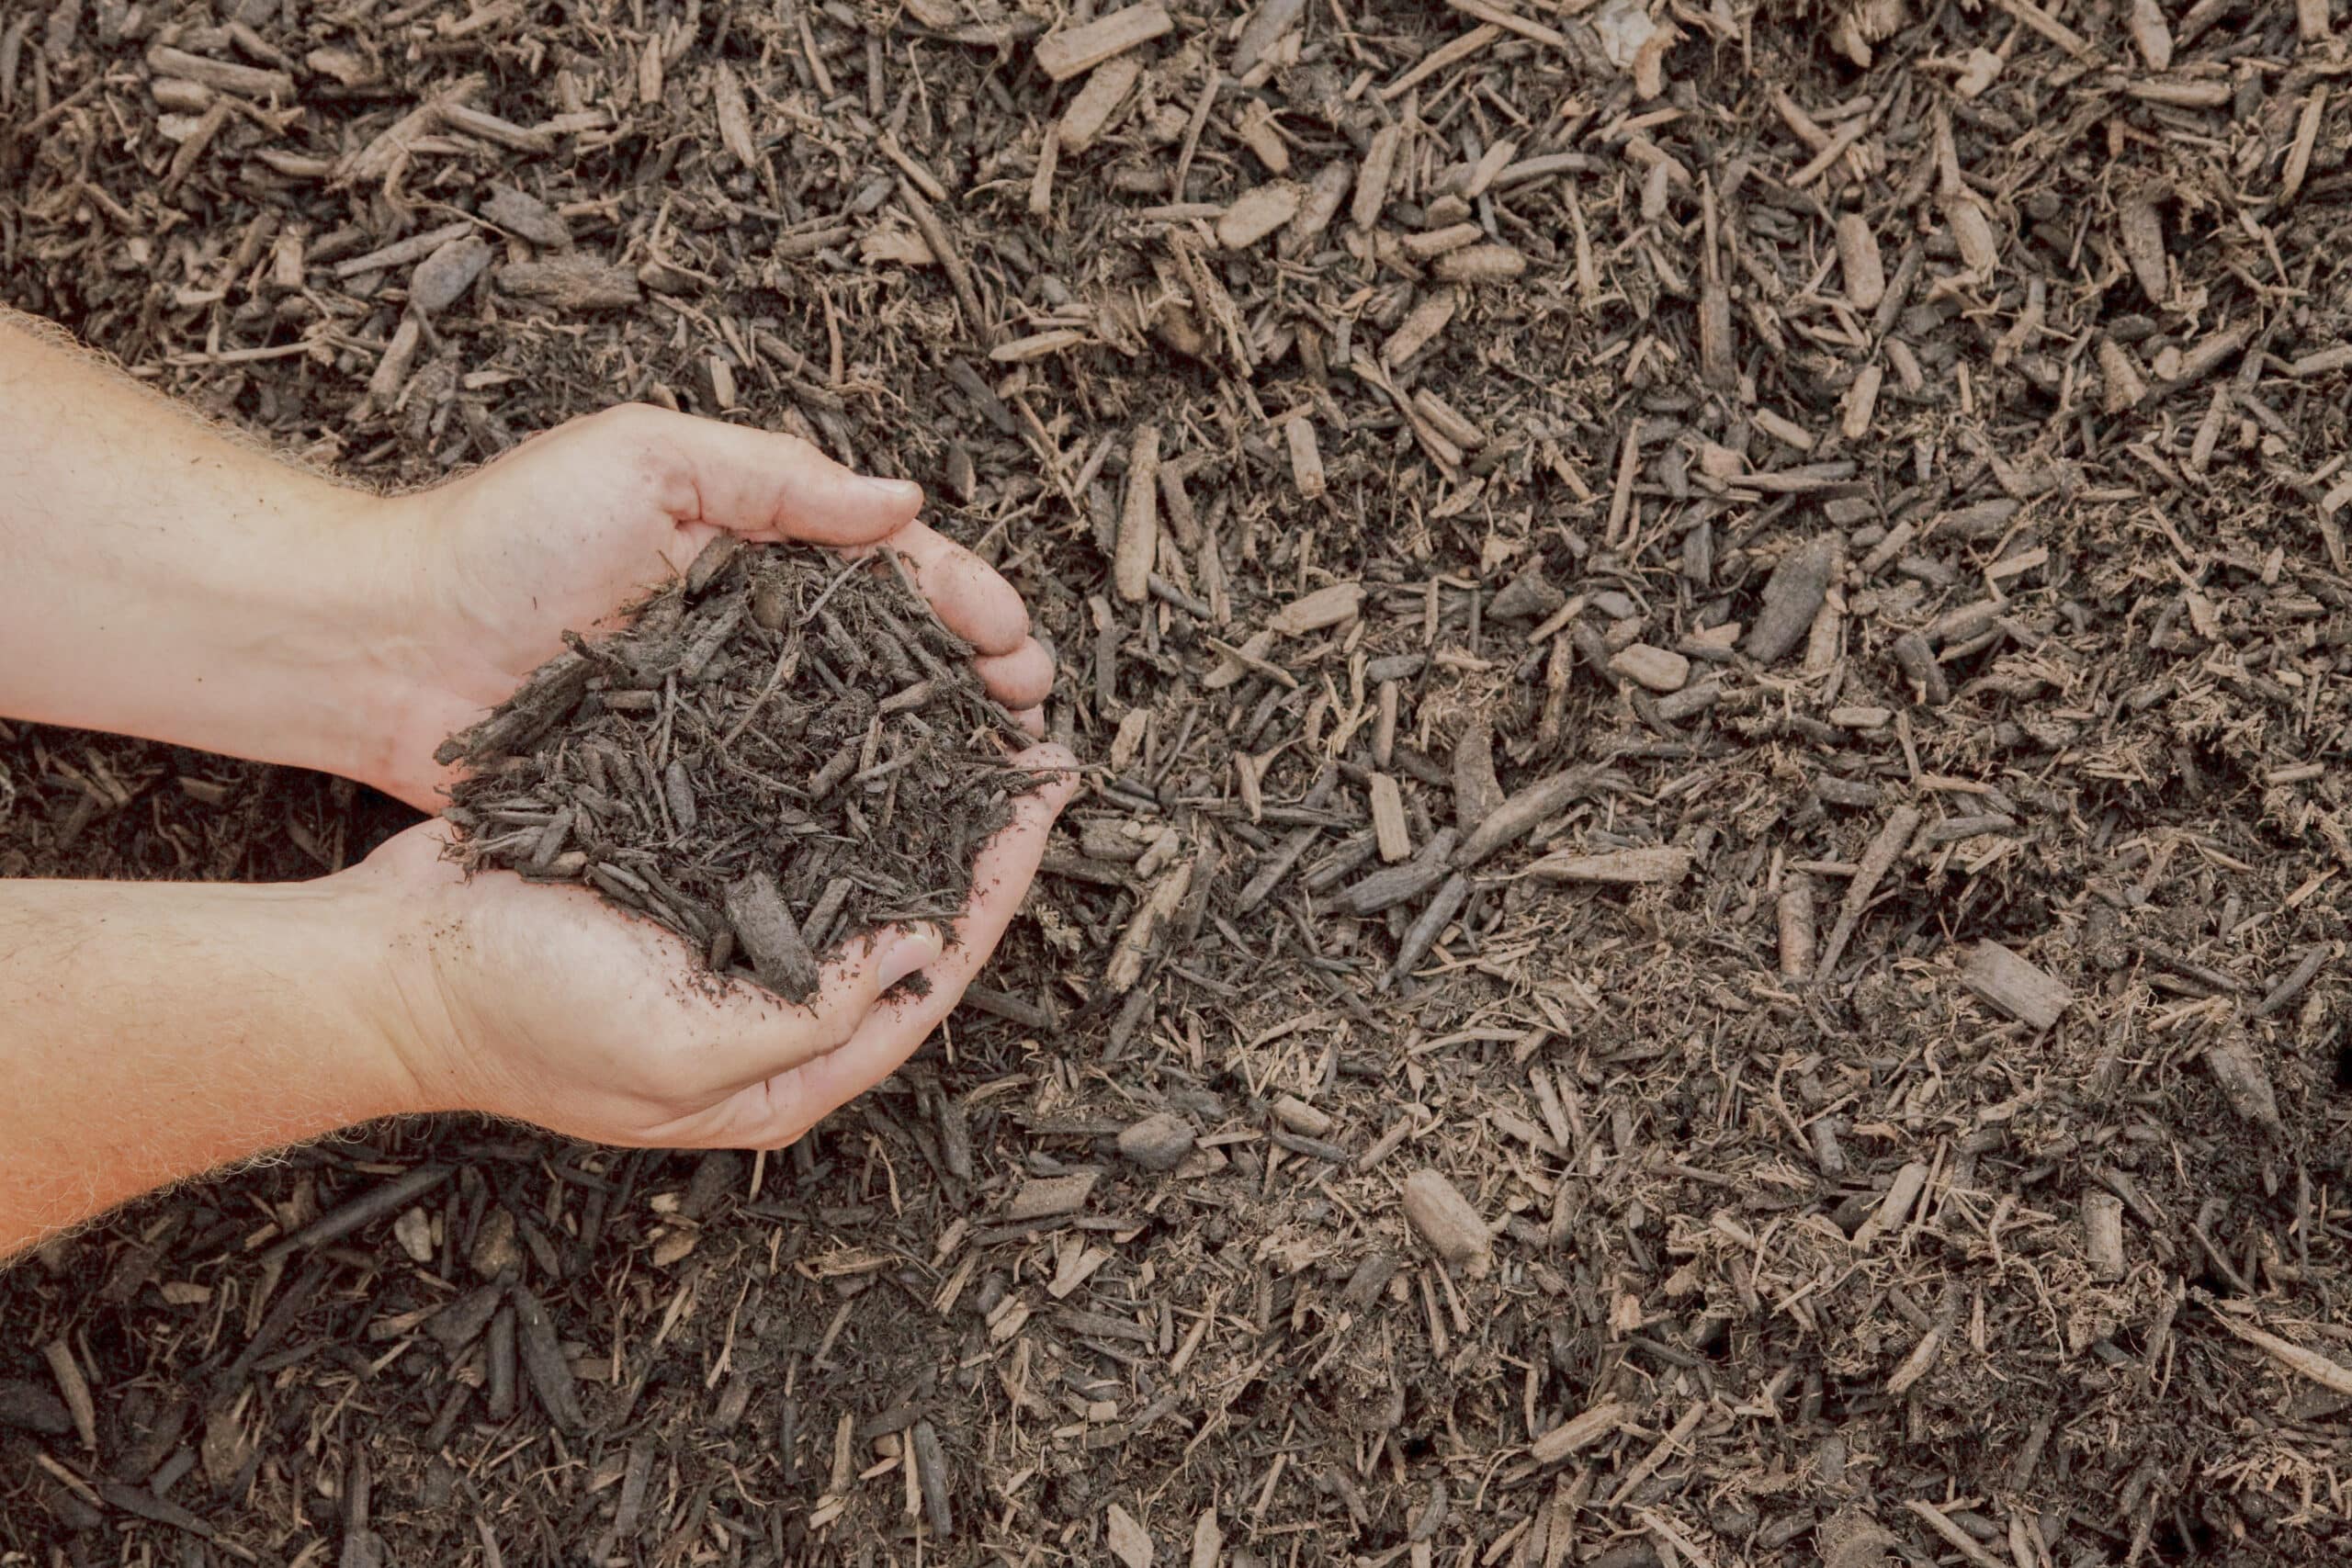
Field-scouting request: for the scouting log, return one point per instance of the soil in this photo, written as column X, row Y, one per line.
column 1711, row 925
column 774, row 754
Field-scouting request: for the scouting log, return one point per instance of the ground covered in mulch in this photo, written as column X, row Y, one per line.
column 1711, row 930
column 774, row 754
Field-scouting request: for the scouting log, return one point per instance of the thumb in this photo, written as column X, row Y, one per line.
column 758, row 484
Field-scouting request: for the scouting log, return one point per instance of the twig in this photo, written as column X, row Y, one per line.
column 1876, row 862
column 1958, row 1538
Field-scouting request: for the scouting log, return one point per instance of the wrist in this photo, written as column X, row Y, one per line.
column 153, row 1030
column 346, row 618
column 377, row 959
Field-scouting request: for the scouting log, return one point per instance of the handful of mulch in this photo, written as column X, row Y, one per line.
column 780, row 753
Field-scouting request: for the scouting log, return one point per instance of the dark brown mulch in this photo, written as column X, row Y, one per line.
column 774, row 755
column 1866, row 477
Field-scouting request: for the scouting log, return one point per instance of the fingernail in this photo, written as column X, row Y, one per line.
column 906, row 955
column 897, row 489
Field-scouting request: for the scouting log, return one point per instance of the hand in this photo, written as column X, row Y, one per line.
column 572, row 527
column 547, row 1004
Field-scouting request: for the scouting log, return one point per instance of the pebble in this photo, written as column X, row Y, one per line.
column 494, row 1251
column 413, row 1231
column 1445, row 1218
column 1159, row 1142
column 1659, row 669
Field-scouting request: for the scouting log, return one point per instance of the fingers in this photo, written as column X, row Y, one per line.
column 1020, row 679
column 971, row 600
column 768, row 1031
column 756, row 482
column 792, row 1101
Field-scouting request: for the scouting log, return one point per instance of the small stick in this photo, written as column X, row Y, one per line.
column 2300, row 977
column 1422, row 934
column 786, row 663
column 1519, row 815
column 1876, row 862
column 1958, row 1539
column 1138, row 540
column 363, row 1209
column 1796, row 923
column 2322, row 1370
column 959, row 277
column 76, row 1389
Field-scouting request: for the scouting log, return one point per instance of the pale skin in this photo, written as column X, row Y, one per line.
column 159, row 579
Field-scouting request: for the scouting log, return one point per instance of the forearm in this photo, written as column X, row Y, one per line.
column 153, row 1032
column 159, row 578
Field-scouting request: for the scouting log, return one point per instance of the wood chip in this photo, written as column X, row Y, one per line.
column 1372, row 178
column 1067, row 53
column 1138, row 543
column 1257, row 213
column 2244, row 1081
column 1265, row 28
column 1050, row 1197
column 1396, row 839
column 1581, row 1431
column 1659, row 669
column 1792, row 596
column 1326, row 607
column 573, row 282
column 2103, row 1234
column 734, row 115
column 1305, row 458
column 1092, row 108
column 2018, row 988
column 1859, row 263
column 1480, row 263
column 2151, row 34
column 1159, row 1142
column 769, row 937
column 1617, row 868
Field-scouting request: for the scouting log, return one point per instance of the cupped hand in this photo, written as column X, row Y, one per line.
column 547, row 1004
column 572, row 527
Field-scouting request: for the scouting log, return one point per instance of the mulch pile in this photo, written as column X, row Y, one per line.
column 773, row 756
column 1712, row 928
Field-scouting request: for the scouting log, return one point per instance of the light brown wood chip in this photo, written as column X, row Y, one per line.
column 1858, row 263
column 2016, row 987
column 1580, row 1431
column 1618, row 868
column 1257, row 213
column 1092, row 108
column 1066, row 53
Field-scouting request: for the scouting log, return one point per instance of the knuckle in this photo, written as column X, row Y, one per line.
column 627, row 418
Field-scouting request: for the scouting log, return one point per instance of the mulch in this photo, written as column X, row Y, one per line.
column 1709, row 925
column 776, row 754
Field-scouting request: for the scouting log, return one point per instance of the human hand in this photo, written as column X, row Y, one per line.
column 572, row 527
column 547, row 1004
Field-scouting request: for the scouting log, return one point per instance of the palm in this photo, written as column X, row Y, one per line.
column 565, row 1012
column 519, row 571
